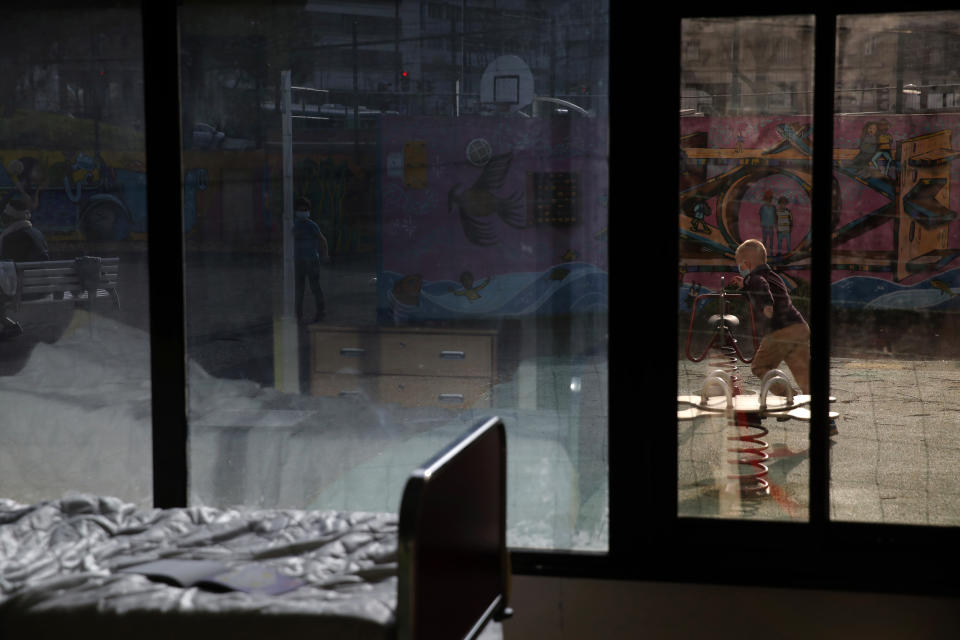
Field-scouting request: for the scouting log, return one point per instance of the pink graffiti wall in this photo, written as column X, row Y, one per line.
column 896, row 194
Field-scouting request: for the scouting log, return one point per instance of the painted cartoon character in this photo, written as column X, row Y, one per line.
column 469, row 290
column 700, row 211
column 768, row 218
column 784, row 225
column 884, row 146
column 27, row 175
column 868, row 147
column 86, row 173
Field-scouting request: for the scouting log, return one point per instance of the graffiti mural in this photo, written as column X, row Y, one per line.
column 895, row 242
column 492, row 217
column 78, row 195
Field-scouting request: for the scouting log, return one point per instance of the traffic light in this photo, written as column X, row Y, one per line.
column 404, row 81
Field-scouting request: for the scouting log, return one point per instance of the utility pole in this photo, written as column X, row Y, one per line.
column 396, row 46
column 286, row 335
column 734, row 106
column 898, row 97
column 356, row 98
column 286, row 340
column 453, row 65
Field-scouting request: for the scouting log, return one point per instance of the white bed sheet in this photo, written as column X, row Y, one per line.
column 63, row 557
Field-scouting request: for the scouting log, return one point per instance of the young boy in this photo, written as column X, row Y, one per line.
column 787, row 335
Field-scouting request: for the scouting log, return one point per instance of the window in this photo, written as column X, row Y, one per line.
column 450, row 261
column 243, row 408
column 745, row 174
column 885, row 350
column 900, row 482
column 75, row 384
column 893, row 359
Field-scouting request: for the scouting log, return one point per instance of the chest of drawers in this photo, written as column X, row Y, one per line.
column 408, row 366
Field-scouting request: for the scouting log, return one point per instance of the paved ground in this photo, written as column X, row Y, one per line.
column 894, row 460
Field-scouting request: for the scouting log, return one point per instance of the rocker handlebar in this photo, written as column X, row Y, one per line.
column 722, row 323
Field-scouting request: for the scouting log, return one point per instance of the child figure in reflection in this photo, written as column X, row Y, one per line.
column 310, row 246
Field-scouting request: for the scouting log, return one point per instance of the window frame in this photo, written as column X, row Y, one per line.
column 647, row 540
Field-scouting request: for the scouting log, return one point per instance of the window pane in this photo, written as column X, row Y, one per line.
column 454, row 158
column 894, row 272
column 75, row 384
column 745, row 174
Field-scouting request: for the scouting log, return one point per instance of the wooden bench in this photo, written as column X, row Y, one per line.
column 78, row 281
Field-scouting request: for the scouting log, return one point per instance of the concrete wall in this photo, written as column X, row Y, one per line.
column 573, row 609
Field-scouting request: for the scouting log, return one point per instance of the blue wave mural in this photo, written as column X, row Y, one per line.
column 570, row 287
column 937, row 293
column 940, row 292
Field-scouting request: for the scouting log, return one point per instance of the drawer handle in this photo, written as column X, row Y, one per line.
column 450, row 397
column 352, row 352
column 452, row 355
column 349, row 394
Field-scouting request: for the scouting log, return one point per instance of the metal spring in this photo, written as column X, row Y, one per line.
column 752, row 452
column 724, row 358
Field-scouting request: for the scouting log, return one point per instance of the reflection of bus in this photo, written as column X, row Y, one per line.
column 94, row 197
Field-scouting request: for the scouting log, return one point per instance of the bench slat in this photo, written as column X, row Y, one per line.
column 41, row 289
column 48, row 289
column 61, row 263
column 43, row 273
column 65, row 277
column 60, row 276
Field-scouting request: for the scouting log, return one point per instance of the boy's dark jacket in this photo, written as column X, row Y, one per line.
column 764, row 288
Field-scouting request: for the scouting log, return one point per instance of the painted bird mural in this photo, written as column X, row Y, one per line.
column 479, row 206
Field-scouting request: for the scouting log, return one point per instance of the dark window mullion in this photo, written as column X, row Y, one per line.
column 165, row 245
column 823, row 119
column 643, row 324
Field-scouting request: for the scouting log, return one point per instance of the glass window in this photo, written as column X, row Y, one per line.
column 74, row 362
column 745, row 177
column 395, row 223
column 894, row 269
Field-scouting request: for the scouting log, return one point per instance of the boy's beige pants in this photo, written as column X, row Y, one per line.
column 791, row 345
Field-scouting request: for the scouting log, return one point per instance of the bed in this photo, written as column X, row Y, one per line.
column 437, row 569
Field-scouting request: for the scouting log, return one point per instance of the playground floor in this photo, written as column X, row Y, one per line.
column 894, row 460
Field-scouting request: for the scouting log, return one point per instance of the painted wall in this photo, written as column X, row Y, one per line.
column 492, row 217
column 97, row 196
column 896, row 240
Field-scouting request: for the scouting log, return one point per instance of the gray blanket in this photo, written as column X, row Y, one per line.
column 63, row 557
